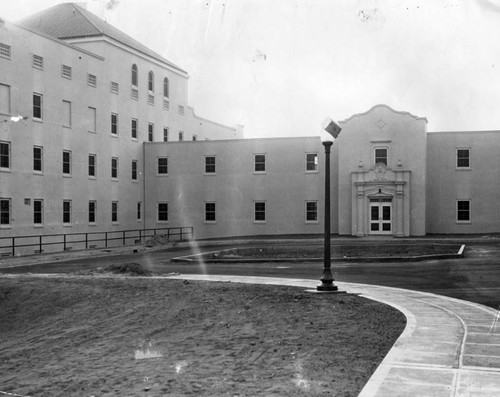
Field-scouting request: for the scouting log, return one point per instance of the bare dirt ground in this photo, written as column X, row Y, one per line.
column 124, row 336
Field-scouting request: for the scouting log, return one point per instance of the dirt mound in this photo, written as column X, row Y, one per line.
column 159, row 239
column 133, row 269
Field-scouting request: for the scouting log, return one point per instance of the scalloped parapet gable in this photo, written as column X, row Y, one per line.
column 373, row 108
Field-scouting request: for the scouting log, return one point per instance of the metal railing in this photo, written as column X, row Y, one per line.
column 88, row 240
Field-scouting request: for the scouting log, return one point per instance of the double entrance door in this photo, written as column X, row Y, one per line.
column 381, row 216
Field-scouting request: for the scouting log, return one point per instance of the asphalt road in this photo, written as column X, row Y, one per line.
column 475, row 278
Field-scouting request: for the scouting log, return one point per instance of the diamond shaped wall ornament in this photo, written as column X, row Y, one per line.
column 381, row 124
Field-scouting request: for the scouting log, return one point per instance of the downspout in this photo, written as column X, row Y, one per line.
column 144, row 189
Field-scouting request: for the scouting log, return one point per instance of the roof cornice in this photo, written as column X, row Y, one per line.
column 402, row 113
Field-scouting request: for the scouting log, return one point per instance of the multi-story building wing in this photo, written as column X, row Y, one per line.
column 89, row 96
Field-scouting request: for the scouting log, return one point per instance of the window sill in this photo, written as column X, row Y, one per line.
column 260, row 222
column 8, row 170
column 92, row 132
column 312, row 222
column 312, row 172
column 92, row 178
column 210, row 174
column 162, row 175
column 5, row 226
column 38, row 226
column 463, row 222
column 39, row 173
column 114, row 135
column 210, row 222
column 135, row 181
column 67, row 176
column 67, row 126
column 463, row 168
column 67, row 225
column 259, row 172
column 36, row 120
column 114, row 179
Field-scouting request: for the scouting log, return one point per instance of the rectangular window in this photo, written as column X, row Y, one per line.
column 92, row 211
column 66, row 71
column 165, row 134
column 37, row 159
column 38, row 212
column 66, row 114
column 134, row 170
column 260, row 163
column 463, row 158
column 91, row 80
column 114, row 167
column 114, row 124
column 4, row 99
column 210, row 164
column 209, row 212
column 37, row 62
column 181, row 136
column 381, row 155
column 311, row 211
column 139, row 211
column 260, row 211
column 114, row 87
column 5, row 212
column 66, row 162
column 37, row 106
column 92, row 119
column 151, row 128
column 463, row 211
column 114, row 211
column 311, row 162
column 92, row 165
column 4, row 155
column 66, row 211
column 162, row 165
column 5, row 50
column 133, row 129
column 162, row 212
column 195, row 138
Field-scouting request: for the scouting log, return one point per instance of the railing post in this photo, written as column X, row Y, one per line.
column 13, row 246
column 124, row 237
column 140, row 236
column 181, row 233
column 106, row 239
column 40, row 244
column 64, row 242
column 86, row 241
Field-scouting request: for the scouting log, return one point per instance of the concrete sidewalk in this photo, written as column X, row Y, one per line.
column 449, row 347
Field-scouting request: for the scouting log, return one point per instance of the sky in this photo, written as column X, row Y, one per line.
column 280, row 67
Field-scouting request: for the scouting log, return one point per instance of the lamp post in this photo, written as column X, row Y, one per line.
column 327, row 277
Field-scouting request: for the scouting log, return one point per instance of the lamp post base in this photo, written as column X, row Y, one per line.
column 327, row 287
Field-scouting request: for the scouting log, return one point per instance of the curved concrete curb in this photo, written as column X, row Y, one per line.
column 449, row 347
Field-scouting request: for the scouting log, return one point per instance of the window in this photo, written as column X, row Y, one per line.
column 311, row 211
column 66, row 71
column 4, row 155
column 163, row 165
column 134, row 129
column 463, row 211
column 66, row 162
column 114, row 87
column 134, row 94
column 210, row 164
column 38, row 212
column 92, row 211
column 260, row 211
column 5, row 212
column 162, row 212
column 114, row 167
column 209, row 212
column 66, row 211
column 181, row 110
column 134, row 170
column 166, row 104
column 139, row 211
column 260, row 163
column 311, row 162
column 37, row 62
column 181, row 136
column 114, row 211
column 66, row 114
column 165, row 87
column 91, row 80
column 5, row 50
column 37, row 159
column 381, row 155
column 151, row 99
column 37, row 106
column 92, row 119
column 195, row 138
column 134, row 75
column 165, row 134
column 92, row 165
column 4, row 99
column 114, row 124
column 151, row 82
column 463, row 158
column 151, row 128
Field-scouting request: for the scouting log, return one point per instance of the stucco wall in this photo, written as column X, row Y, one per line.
column 285, row 186
column 479, row 184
